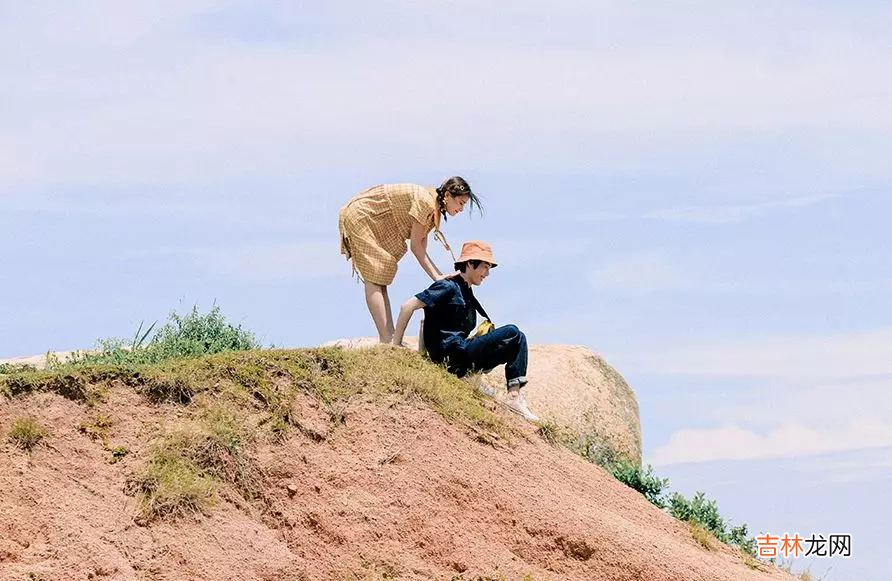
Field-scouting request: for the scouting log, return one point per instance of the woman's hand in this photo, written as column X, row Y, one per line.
column 450, row 275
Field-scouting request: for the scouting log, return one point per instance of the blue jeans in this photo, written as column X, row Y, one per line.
column 506, row 344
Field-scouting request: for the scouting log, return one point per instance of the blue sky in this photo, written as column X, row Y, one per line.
column 696, row 190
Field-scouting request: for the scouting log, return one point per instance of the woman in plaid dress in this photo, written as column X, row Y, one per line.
column 376, row 224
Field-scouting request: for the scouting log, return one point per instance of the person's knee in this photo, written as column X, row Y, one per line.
column 512, row 330
column 515, row 333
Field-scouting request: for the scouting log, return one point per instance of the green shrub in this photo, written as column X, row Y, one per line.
column 597, row 449
column 184, row 336
column 704, row 512
column 699, row 510
column 644, row 481
column 739, row 537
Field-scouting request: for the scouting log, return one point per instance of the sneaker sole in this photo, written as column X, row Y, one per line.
column 519, row 413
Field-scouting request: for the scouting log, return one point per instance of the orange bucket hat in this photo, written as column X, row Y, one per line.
column 476, row 250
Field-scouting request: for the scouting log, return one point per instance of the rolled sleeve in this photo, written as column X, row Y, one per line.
column 437, row 292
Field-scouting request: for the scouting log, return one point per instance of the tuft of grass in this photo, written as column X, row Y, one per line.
column 550, row 431
column 13, row 368
column 384, row 371
column 188, row 464
column 172, row 486
column 753, row 563
column 702, row 536
column 805, row 575
column 26, row 433
column 97, row 428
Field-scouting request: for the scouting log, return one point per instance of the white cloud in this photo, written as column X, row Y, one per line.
column 787, row 441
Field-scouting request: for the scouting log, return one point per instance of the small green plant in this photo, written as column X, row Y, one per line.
column 117, row 453
column 644, row 481
column 26, row 433
column 52, row 360
column 97, row 428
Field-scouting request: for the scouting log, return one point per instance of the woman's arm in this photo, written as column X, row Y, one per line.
column 406, row 312
column 418, row 245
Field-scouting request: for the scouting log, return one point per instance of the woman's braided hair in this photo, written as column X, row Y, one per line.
column 456, row 186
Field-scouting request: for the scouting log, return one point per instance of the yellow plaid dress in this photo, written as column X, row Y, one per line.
column 376, row 224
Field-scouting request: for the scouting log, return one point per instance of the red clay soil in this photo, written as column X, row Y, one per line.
column 395, row 493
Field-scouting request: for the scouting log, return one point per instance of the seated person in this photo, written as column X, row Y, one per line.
column 450, row 315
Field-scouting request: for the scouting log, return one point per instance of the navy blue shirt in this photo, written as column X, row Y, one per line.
column 449, row 316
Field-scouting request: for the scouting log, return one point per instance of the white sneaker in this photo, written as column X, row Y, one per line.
column 485, row 389
column 517, row 404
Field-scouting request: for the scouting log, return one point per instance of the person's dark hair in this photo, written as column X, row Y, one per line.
column 462, row 266
column 456, row 186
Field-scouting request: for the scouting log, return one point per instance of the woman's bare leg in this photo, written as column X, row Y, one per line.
column 379, row 307
column 390, row 327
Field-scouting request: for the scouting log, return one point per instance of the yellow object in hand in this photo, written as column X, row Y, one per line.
column 482, row 329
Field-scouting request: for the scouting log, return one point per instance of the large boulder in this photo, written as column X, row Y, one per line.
column 575, row 390
column 578, row 391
